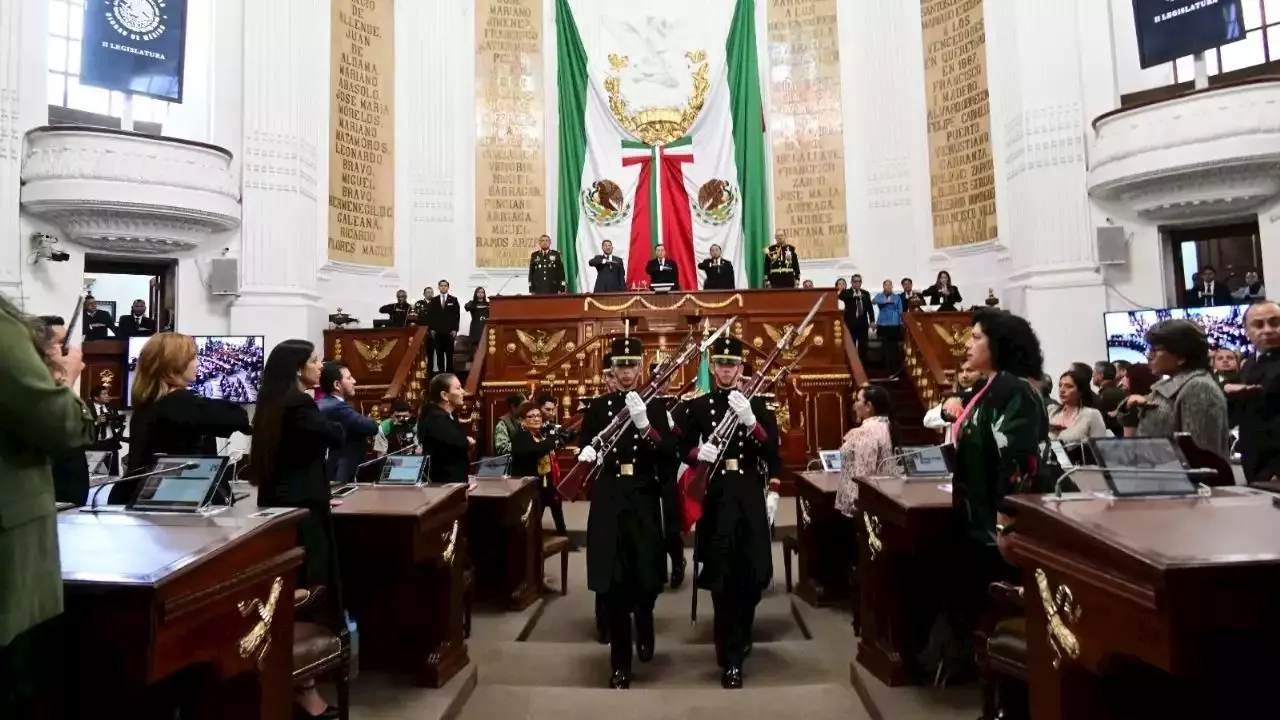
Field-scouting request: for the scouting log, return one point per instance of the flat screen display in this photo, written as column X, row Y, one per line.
column 1127, row 331
column 189, row 486
column 402, row 470
column 1126, row 458
column 492, row 467
column 1172, row 29
column 228, row 367
column 925, row 461
column 831, row 460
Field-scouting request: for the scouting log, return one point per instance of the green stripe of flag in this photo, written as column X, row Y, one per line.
column 571, row 81
column 747, row 110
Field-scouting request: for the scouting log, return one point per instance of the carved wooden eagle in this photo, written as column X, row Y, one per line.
column 540, row 343
column 776, row 334
column 375, row 354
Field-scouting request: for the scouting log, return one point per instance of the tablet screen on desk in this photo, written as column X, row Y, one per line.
column 831, row 461
column 491, row 467
column 926, row 460
column 188, row 484
column 402, row 470
column 1126, row 458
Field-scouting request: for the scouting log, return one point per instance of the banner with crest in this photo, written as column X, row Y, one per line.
column 661, row 136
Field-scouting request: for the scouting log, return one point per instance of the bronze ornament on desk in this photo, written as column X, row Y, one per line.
column 375, row 352
column 258, row 640
column 1061, row 611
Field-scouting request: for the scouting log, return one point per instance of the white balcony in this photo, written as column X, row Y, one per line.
column 1204, row 155
column 124, row 192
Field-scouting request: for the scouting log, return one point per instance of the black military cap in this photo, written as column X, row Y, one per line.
column 608, row 363
column 626, row 351
column 726, row 350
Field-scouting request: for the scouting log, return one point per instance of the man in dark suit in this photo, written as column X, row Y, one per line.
column 546, row 269
column 719, row 271
column 398, row 310
column 136, row 323
column 611, row 272
column 339, row 387
column 443, row 316
column 96, row 322
column 1208, row 292
column 662, row 270
column 858, row 313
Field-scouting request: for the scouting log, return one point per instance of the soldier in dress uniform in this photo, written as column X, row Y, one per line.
column 734, row 545
column 546, row 269
column 624, row 539
column 397, row 311
column 781, row 265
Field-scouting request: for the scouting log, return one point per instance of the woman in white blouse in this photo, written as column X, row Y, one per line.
column 1075, row 418
column 867, row 450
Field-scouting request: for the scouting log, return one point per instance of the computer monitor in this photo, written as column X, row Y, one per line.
column 831, row 460
column 191, row 483
column 1126, row 459
column 227, row 367
column 403, row 470
column 924, row 461
column 492, row 467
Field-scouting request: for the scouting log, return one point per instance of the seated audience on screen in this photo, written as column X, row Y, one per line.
column 339, row 386
column 444, row 441
column 1188, row 400
column 168, row 418
column 1075, row 418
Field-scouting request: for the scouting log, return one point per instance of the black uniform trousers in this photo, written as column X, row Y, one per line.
column 890, row 341
column 735, row 617
column 441, row 351
column 626, row 598
column 551, row 501
column 782, row 280
column 859, row 328
column 672, row 515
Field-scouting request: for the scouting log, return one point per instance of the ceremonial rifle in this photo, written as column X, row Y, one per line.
column 573, row 484
column 67, row 340
column 724, row 431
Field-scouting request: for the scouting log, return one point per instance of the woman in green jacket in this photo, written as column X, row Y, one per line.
column 40, row 417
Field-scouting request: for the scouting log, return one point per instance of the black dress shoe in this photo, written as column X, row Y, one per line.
column 677, row 573
column 732, row 678
column 621, row 680
column 644, row 651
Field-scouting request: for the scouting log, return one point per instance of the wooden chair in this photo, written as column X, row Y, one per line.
column 322, row 648
column 790, row 546
column 553, row 545
column 1001, row 650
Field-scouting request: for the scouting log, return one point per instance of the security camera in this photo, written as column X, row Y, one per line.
column 58, row 256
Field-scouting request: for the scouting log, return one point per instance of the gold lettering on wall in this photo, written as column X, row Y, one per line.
column 961, row 168
column 511, row 200
column 806, row 127
column 362, row 170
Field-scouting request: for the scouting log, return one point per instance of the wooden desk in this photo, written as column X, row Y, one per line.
column 902, row 569
column 402, row 551
column 504, row 535
column 149, row 596
column 1157, row 607
column 825, row 538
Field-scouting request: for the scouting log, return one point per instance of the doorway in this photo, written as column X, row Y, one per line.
column 117, row 283
column 1233, row 250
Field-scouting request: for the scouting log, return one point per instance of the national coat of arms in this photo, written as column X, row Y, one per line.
column 604, row 203
column 717, row 202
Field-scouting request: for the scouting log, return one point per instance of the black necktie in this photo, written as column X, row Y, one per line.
column 858, row 305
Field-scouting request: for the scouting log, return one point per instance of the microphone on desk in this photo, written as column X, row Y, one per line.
column 504, row 286
column 93, row 501
column 488, row 459
column 380, row 458
column 1205, row 473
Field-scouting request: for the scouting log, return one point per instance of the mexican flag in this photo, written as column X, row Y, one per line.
column 661, row 134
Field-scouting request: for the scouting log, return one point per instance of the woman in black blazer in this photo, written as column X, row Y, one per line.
column 533, row 455
column 290, row 439
column 942, row 293
column 169, row 419
column 444, row 441
column 479, row 309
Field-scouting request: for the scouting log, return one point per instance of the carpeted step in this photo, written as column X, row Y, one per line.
column 583, row 665
column 812, row 702
column 571, row 619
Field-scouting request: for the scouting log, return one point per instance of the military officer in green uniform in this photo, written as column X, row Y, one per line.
column 546, row 269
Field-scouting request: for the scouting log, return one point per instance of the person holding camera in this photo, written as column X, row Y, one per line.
column 396, row 432
column 533, row 454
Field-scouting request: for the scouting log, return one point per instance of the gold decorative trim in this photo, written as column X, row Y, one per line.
column 337, row 349
column 874, row 544
column 1061, row 610
column 620, row 307
column 804, row 512
column 258, row 640
column 658, row 126
column 528, row 514
column 820, row 377
column 450, row 539
column 375, row 352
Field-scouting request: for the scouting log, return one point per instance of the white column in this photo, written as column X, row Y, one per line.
column 286, row 116
column 1038, row 101
column 24, row 30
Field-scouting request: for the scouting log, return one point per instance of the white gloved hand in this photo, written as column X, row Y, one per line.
column 771, row 501
column 742, row 406
column 639, row 413
column 587, row 454
column 708, row 452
